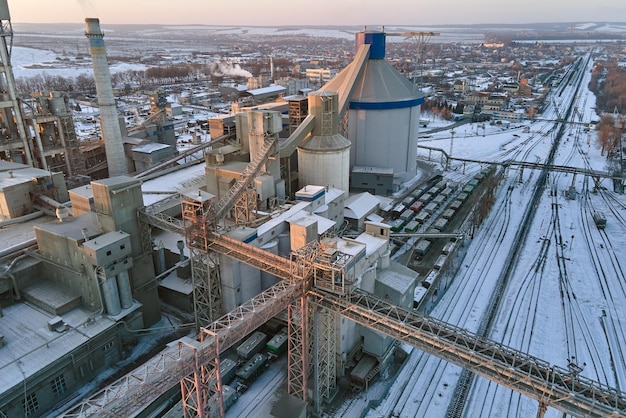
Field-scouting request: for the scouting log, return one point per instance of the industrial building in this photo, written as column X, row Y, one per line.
column 263, row 229
column 99, row 261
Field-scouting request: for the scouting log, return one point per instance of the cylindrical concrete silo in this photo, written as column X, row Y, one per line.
column 110, row 293
column 324, row 159
column 125, row 290
column 111, row 131
column 383, row 111
column 268, row 279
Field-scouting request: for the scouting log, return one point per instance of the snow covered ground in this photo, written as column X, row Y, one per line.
column 563, row 302
column 29, row 62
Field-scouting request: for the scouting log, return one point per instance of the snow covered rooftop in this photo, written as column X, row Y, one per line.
column 358, row 205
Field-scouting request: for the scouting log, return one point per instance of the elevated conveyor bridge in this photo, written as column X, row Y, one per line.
column 551, row 386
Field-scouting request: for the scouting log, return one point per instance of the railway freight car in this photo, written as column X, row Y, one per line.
column 421, row 248
column 440, row 262
column 229, row 395
column 252, row 345
column 252, row 368
column 417, row 206
column 599, row 219
column 440, row 224
column 228, row 368
column 396, row 226
column 421, row 217
column 361, row 371
column 418, row 296
column 448, row 213
column 278, row 342
column 411, row 227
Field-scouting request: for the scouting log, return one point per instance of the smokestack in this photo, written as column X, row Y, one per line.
column 111, row 131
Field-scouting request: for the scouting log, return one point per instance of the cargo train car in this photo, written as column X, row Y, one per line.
column 448, row 213
column 430, row 279
column 425, row 198
column 408, row 201
column 439, row 199
column 417, row 206
column 599, row 219
column 252, row 368
column 396, row 226
column 359, row 374
column 229, row 395
column 422, row 247
column 431, row 207
column 407, row 215
column 228, row 368
column 440, row 224
column 418, row 296
column 456, row 204
column 440, row 262
column 252, row 345
column 447, row 191
column 397, row 210
column 415, row 194
column 448, row 248
column 411, row 227
column 421, row 217
column 278, row 342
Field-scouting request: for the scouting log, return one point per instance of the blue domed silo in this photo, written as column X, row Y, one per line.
column 383, row 110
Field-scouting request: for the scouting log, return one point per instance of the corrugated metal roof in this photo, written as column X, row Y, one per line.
column 358, row 205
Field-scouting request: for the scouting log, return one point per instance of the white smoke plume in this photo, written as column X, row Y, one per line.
column 221, row 69
column 88, row 6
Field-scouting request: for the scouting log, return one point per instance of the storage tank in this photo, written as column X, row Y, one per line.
column 322, row 211
column 250, row 281
column 383, row 111
column 284, row 243
column 268, row 279
column 324, row 159
column 125, row 290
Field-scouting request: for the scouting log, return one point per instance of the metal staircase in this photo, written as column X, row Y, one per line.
column 247, row 177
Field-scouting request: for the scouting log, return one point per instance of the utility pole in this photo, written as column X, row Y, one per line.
column 452, row 132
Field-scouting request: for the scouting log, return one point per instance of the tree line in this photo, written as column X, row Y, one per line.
column 608, row 83
column 84, row 84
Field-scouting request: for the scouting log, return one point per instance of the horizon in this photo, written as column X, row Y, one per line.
column 320, row 13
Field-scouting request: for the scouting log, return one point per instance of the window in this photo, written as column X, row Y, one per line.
column 109, row 252
column 108, row 346
column 31, row 404
column 58, row 385
column 122, row 247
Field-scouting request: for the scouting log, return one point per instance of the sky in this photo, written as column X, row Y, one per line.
column 315, row 12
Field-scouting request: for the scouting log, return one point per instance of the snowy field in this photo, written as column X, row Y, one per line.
column 29, row 62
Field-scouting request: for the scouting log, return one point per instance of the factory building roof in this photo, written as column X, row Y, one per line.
column 267, row 91
column 304, row 219
column 31, row 346
column 397, row 277
column 12, row 174
column 150, row 147
column 359, row 205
